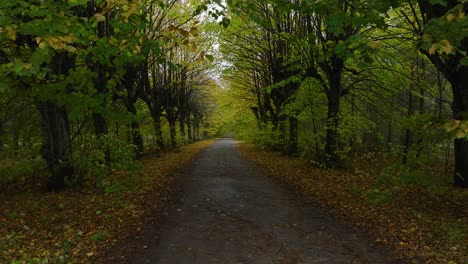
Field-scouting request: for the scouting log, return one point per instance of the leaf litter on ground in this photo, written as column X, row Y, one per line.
column 424, row 225
column 79, row 224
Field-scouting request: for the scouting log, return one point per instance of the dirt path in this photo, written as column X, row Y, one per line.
column 228, row 212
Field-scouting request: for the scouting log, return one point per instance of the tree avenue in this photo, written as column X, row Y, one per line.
column 312, row 73
column 360, row 104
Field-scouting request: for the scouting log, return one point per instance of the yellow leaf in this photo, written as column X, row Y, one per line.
column 194, row 31
column 374, row 45
column 38, row 40
column 450, row 17
column 99, row 17
column 42, row 45
column 446, row 46
column 137, row 49
column 11, row 33
column 70, row 49
column 433, row 49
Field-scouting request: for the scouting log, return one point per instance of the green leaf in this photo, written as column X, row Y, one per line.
column 209, row 57
column 438, row 2
column 3, row 87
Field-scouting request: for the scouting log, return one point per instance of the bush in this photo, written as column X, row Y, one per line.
column 109, row 165
column 16, row 175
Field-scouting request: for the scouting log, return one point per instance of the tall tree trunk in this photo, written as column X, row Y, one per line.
column 2, row 134
column 197, row 131
column 315, row 131
column 281, row 145
column 137, row 139
column 57, row 144
column 100, row 125
column 101, row 130
column 331, row 141
column 389, row 136
column 182, row 129
column 15, row 142
column 173, row 132
column 408, row 141
column 189, row 129
column 334, row 71
column 158, row 130
column 459, row 83
column 293, row 127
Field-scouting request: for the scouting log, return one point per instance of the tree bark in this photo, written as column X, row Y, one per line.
column 158, row 131
column 459, row 83
column 293, row 138
column 408, row 142
column 2, row 134
column 182, row 129
column 57, row 144
column 189, row 129
column 333, row 96
column 137, row 139
column 173, row 133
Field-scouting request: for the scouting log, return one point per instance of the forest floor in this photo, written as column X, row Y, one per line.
column 79, row 224
column 422, row 224
column 225, row 210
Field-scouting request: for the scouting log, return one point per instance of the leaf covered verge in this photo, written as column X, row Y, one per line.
column 77, row 225
column 425, row 225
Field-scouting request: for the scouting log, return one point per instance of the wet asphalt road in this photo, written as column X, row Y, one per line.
column 228, row 212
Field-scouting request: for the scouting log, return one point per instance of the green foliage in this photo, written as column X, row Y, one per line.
column 110, row 164
column 17, row 174
column 418, row 171
column 102, row 235
column 379, row 197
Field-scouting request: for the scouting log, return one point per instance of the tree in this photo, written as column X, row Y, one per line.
column 441, row 27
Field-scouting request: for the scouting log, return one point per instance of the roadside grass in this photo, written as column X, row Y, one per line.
column 77, row 225
column 425, row 224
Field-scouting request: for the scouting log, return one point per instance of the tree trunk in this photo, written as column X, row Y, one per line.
column 173, row 132
column 314, row 129
column 189, row 129
column 334, row 71
column 2, row 134
column 331, row 141
column 182, row 129
column 389, row 136
column 137, row 139
column 57, row 144
column 158, row 131
column 459, row 82
column 101, row 129
column 281, row 144
column 15, row 143
column 293, row 126
column 408, row 142
column 100, row 125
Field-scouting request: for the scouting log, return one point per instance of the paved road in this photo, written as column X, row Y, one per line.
column 228, row 212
